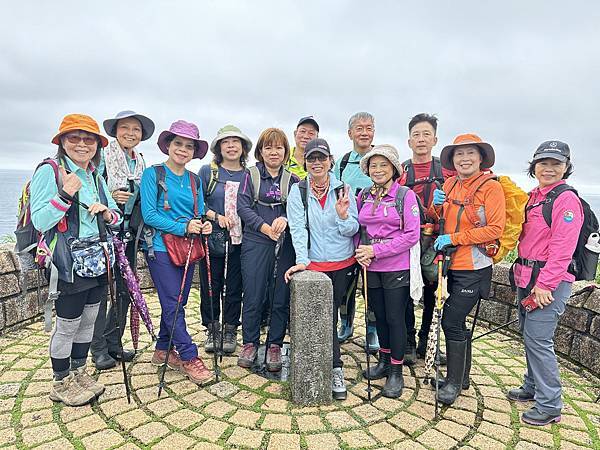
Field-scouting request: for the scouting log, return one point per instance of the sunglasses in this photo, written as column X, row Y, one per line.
column 75, row 139
column 318, row 157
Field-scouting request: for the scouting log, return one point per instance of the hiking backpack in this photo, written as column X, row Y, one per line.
column 302, row 185
column 436, row 177
column 584, row 263
column 214, row 179
column 515, row 201
column 345, row 161
column 284, row 186
column 27, row 237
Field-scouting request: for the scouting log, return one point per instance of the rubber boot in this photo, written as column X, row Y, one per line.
column 456, row 352
column 466, row 384
column 380, row 370
column 394, row 382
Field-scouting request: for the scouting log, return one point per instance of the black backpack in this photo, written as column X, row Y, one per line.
column 302, row 185
column 584, row 263
column 435, row 176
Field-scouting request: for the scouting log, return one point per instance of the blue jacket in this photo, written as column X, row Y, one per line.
column 331, row 238
column 181, row 201
column 255, row 215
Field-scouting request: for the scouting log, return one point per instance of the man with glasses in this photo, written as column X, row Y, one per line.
column 361, row 131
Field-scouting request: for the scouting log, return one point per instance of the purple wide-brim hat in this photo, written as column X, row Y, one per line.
column 186, row 130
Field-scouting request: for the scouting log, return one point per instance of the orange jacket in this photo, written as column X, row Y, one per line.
column 489, row 204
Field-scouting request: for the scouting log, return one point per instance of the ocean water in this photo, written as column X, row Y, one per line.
column 12, row 182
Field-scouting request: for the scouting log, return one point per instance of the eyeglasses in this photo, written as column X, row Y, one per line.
column 76, row 139
column 318, row 157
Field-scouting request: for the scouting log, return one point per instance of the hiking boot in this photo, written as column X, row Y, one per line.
column 422, row 351
column 345, row 331
column 247, row 356
column 104, row 361
column 380, row 370
column 372, row 340
column 535, row 417
column 125, row 355
column 274, row 358
column 174, row 361
column 229, row 338
column 83, row 379
column 410, row 356
column 394, row 382
column 196, row 371
column 338, row 386
column 70, row 392
column 520, row 394
column 213, row 337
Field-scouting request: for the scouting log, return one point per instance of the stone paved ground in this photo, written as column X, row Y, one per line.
column 246, row 410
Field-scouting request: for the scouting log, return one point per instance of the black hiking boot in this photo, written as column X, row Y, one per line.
column 229, row 339
column 410, row 356
column 380, row 370
column 394, row 382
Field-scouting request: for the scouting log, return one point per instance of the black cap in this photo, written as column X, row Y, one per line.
column 553, row 149
column 308, row 119
column 317, row 145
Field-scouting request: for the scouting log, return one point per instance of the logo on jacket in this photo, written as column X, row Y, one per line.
column 568, row 216
column 466, row 291
column 415, row 210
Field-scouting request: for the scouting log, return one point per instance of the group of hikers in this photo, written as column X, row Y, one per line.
column 250, row 229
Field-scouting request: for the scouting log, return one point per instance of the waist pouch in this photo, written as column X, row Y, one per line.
column 89, row 260
column 216, row 242
column 179, row 246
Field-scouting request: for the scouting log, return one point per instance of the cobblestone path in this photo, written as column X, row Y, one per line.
column 246, row 410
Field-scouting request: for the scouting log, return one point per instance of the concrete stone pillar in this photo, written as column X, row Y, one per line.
column 311, row 329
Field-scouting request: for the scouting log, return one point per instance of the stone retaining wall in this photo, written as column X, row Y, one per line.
column 577, row 337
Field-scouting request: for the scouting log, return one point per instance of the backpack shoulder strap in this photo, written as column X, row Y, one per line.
column 214, row 179
column 161, row 184
column 255, row 178
column 194, row 184
column 284, row 186
column 410, row 172
column 436, row 169
column 550, row 197
column 469, row 199
column 362, row 197
column 344, row 163
column 400, row 195
column 303, row 187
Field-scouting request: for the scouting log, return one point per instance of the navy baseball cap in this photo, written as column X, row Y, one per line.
column 308, row 119
column 553, row 149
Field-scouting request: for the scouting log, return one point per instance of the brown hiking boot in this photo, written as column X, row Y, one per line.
column 247, row 356
column 196, row 371
column 274, row 358
column 174, row 362
column 70, row 392
column 83, row 379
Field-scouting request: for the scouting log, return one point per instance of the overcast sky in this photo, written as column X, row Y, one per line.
column 515, row 72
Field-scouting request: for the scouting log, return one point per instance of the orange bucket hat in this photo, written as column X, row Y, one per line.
column 73, row 122
column 488, row 155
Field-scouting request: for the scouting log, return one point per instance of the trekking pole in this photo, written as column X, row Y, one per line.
column 278, row 246
column 161, row 383
column 364, row 240
column 113, row 301
column 224, row 294
column 210, row 296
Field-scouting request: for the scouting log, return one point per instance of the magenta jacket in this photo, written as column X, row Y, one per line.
column 392, row 238
column 554, row 245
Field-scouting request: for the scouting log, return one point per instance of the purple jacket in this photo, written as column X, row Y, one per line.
column 392, row 239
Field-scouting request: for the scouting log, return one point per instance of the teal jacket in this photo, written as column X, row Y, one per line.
column 331, row 238
column 47, row 208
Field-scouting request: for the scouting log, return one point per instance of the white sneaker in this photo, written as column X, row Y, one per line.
column 338, row 385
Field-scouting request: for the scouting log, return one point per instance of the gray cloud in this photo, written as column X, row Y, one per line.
column 517, row 73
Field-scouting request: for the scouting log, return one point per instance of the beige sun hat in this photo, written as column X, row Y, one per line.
column 231, row 131
column 387, row 151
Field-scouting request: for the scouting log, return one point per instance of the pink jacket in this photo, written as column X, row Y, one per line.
column 393, row 239
column 554, row 245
